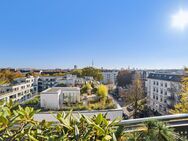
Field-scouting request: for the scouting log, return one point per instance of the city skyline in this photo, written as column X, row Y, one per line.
column 113, row 34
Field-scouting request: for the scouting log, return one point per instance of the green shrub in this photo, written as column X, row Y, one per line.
column 19, row 125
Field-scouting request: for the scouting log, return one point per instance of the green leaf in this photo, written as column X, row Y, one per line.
column 114, row 137
column 32, row 138
column 107, row 138
column 76, row 130
column 99, row 119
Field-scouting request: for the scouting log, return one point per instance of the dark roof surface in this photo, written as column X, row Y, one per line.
column 166, row 77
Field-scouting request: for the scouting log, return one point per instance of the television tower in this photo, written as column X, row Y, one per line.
column 92, row 63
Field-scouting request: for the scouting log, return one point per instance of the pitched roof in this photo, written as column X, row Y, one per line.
column 166, row 77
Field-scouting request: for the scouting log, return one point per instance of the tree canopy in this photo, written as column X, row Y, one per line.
column 136, row 93
column 7, row 76
column 102, row 91
column 77, row 72
column 86, row 88
column 88, row 71
column 182, row 105
column 124, row 78
column 95, row 73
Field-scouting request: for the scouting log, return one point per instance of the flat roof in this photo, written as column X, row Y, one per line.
column 57, row 89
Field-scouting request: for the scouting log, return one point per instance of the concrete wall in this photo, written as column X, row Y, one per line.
column 111, row 114
column 49, row 101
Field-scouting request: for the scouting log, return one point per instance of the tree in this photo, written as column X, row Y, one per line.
column 102, row 91
column 174, row 90
column 7, row 76
column 136, row 93
column 124, row 78
column 86, row 88
column 95, row 73
column 182, row 105
column 77, row 72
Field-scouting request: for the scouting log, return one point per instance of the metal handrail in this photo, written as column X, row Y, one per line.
column 166, row 118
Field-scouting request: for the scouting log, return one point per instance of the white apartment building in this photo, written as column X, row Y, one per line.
column 162, row 90
column 54, row 98
column 46, row 82
column 72, row 80
column 19, row 90
column 109, row 76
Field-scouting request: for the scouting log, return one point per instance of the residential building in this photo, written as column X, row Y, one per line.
column 88, row 78
column 46, row 82
column 109, row 76
column 55, row 98
column 69, row 80
column 162, row 90
column 19, row 90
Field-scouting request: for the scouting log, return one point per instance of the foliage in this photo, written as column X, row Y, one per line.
column 101, row 105
column 86, row 88
column 158, row 131
column 88, row 71
column 74, row 107
column 136, row 94
column 124, row 78
column 34, row 102
column 102, row 91
column 19, row 125
column 7, row 76
column 32, row 73
column 77, row 72
column 94, row 72
column 182, row 105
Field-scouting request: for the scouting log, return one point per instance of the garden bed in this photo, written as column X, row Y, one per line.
column 96, row 104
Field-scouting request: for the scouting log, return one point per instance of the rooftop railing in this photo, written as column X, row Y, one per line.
column 179, row 122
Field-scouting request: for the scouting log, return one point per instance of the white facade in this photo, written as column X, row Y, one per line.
column 109, row 76
column 19, row 91
column 72, row 80
column 54, row 98
column 50, row 99
column 162, row 92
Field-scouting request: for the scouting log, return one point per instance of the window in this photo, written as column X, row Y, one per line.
column 165, row 84
column 161, row 100
column 153, row 96
column 161, row 84
column 165, row 92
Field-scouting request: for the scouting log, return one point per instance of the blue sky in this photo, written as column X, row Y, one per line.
column 114, row 33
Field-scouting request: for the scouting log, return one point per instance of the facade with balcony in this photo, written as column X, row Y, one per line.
column 19, row 90
column 162, row 91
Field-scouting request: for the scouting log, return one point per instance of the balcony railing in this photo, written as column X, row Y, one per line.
column 179, row 122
